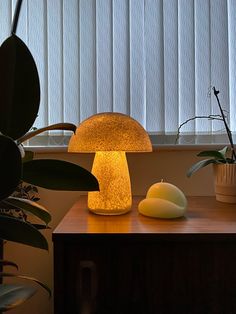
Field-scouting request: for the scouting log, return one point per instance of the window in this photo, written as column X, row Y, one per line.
column 152, row 59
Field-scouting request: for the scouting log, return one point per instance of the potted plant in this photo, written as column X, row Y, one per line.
column 224, row 164
column 19, row 104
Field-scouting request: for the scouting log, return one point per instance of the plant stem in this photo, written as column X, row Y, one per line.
column 210, row 117
column 225, row 123
column 16, row 17
column 57, row 126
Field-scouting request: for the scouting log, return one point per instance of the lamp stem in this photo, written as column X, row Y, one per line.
column 112, row 173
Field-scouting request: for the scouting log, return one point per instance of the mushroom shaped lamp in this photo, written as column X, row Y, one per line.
column 110, row 136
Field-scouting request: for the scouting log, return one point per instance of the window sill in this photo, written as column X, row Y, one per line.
column 155, row 147
column 58, row 144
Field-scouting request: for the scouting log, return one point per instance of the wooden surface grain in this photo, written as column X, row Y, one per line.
column 204, row 215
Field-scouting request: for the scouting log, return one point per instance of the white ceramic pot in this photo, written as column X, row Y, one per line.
column 225, row 182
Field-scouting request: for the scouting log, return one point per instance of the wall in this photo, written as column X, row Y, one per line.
column 145, row 169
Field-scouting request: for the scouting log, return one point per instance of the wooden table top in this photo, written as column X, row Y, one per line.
column 204, row 216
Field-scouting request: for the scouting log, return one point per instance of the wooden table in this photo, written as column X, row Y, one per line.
column 131, row 264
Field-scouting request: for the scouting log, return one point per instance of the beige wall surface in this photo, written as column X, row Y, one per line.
column 145, row 169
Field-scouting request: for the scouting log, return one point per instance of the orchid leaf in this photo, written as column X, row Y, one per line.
column 10, row 166
column 223, row 151
column 58, row 126
column 14, row 295
column 20, row 89
column 210, row 153
column 30, row 207
column 14, row 229
column 199, row 165
column 213, row 153
column 230, row 161
column 58, row 175
column 3, row 274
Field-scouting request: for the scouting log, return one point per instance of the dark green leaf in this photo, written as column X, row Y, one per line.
column 2, row 274
column 58, row 126
column 30, row 207
column 199, row 165
column 13, row 229
column 230, row 161
column 14, row 295
column 58, row 175
column 223, row 151
column 10, row 166
column 20, row 89
column 212, row 153
column 8, row 263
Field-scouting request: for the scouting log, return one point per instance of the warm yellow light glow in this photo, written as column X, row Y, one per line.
column 110, row 132
column 110, row 135
column 114, row 197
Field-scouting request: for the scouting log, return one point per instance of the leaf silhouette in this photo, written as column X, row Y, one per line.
column 20, row 89
column 10, row 166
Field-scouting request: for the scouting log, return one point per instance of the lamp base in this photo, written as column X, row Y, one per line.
column 106, row 212
column 112, row 173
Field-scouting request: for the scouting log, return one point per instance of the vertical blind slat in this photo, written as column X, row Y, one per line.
column 55, row 64
column 13, row 5
column 219, row 56
column 104, row 55
column 232, row 61
column 71, row 61
column 36, row 38
column 202, row 64
column 5, row 19
column 88, row 82
column 171, row 104
column 137, row 62
column 155, row 111
column 121, row 66
column 186, row 63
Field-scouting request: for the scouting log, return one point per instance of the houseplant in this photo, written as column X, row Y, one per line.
column 19, row 104
column 224, row 164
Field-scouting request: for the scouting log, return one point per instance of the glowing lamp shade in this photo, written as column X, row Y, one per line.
column 110, row 135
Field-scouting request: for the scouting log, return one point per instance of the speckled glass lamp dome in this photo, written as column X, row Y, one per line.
column 110, row 135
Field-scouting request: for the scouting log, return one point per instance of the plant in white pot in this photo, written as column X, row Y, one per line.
column 224, row 163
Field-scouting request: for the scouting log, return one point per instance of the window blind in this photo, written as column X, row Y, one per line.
column 152, row 59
